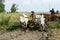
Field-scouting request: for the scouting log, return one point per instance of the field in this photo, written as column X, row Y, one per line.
column 11, row 21
column 8, row 20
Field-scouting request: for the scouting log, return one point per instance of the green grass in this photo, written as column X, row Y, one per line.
column 10, row 21
column 54, row 24
column 7, row 20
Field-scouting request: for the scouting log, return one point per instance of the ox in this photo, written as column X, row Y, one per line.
column 50, row 17
column 24, row 21
column 38, row 21
column 42, row 22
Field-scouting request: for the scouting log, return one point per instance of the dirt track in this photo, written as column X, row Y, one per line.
column 20, row 35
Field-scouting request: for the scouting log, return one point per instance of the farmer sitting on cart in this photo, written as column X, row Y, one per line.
column 33, row 16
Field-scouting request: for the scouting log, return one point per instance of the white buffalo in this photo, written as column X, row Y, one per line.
column 38, row 17
column 43, row 21
column 24, row 19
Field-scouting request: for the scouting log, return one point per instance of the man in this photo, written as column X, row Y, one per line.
column 52, row 11
column 33, row 16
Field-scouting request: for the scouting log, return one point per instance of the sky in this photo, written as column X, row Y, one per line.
column 33, row 5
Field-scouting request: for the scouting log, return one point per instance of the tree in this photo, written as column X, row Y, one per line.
column 2, row 1
column 13, row 8
column 2, row 6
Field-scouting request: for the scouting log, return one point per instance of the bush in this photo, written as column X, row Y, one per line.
column 2, row 7
column 3, row 27
column 54, row 24
column 13, row 26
